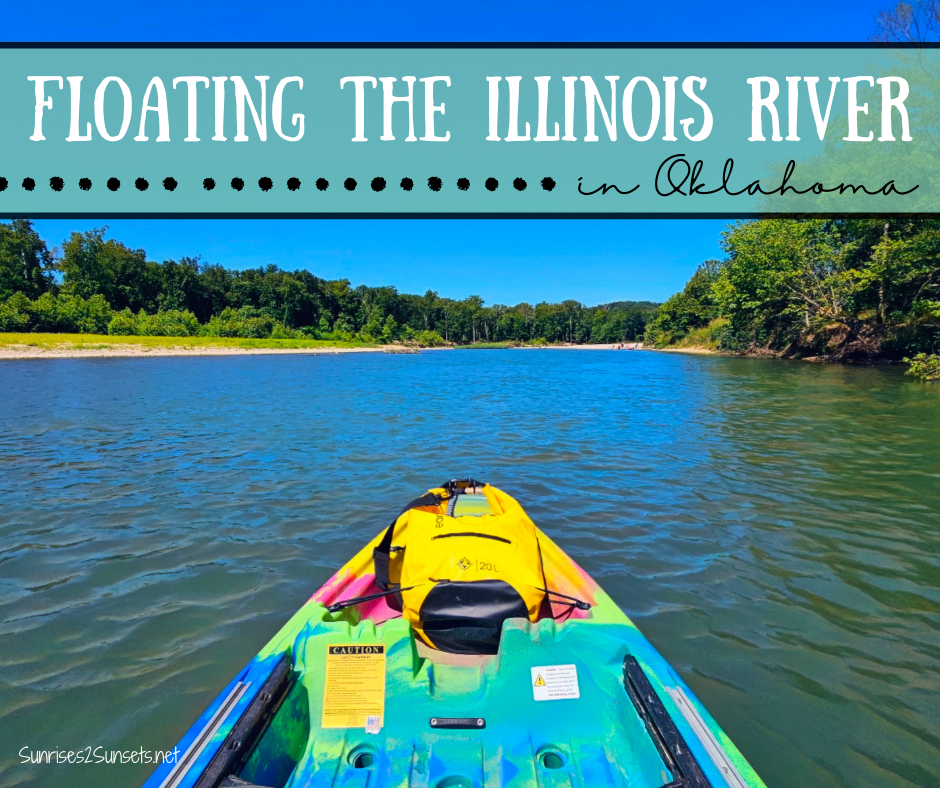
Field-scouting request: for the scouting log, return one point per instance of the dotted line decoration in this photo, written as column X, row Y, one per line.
column 378, row 184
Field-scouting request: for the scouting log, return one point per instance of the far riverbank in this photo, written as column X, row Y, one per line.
column 39, row 345
column 32, row 346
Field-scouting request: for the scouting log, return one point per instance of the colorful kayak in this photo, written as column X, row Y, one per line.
column 461, row 648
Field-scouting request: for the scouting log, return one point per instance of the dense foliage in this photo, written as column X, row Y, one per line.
column 846, row 289
column 924, row 366
column 98, row 285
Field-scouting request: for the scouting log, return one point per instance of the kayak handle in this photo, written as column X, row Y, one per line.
column 458, row 486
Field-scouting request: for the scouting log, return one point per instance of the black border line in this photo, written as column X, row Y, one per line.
column 467, row 45
column 614, row 45
column 462, row 215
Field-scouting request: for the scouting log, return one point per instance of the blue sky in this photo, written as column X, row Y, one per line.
column 503, row 261
column 427, row 20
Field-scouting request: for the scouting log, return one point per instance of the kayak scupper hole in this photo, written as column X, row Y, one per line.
column 361, row 758
column 552, row 759
column 455, row 781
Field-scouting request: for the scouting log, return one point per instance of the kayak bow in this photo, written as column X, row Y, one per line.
column 353, row 692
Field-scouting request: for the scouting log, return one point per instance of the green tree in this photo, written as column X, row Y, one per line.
column 25, row 262
column 92, row 265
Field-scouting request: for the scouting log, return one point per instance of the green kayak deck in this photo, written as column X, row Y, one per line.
column 352, row 699
column 599, row 738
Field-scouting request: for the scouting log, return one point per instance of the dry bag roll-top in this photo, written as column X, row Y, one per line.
column 458, row 578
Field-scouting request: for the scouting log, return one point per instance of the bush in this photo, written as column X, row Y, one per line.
column 84, row 316
column 66, row 313
column 429, row 339
column 245, row 323
column 924, row 366
column 15, row 313
column 123, row 324
column 340, row 336
column 714, row 336
column 280, row 331
column 169, row 323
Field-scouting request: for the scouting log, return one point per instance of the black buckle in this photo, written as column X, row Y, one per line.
column 459, row 486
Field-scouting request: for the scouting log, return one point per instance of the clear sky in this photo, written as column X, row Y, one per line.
column 435, row 20
column 503, row 261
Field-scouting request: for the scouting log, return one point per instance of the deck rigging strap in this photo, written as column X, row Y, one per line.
column 337, row 606
column 341, row 605
column 572, row 600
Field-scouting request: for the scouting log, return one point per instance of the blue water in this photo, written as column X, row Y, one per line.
column 772, row 527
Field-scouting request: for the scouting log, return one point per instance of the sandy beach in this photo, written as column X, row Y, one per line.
column 119, row 349
column 699, row 351
column 139, row 351
column 625, row 346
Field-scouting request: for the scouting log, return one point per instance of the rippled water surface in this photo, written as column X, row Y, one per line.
column 772, row 527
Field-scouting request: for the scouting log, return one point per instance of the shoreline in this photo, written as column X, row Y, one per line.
column 131, row 349
column 128, row 350
column 113, row 347
column 696, row 351
column 602, row 346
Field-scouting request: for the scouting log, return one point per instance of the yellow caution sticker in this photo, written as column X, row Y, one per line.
column 354, row 688
column 555, row 682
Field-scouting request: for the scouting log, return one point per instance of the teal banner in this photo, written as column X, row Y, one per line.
column 468, row 130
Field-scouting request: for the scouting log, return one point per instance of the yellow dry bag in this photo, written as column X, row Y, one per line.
column 458, row 578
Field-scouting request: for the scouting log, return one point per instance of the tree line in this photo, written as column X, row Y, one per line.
column 95, row 284
column 846, row 289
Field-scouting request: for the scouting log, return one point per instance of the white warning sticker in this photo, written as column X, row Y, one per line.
column 555, row 682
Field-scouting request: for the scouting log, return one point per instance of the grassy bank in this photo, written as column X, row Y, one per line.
column 703, row 338
column 80, row 342
column 488, row 346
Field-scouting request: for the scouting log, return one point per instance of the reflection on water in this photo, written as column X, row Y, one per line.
column 772, row 527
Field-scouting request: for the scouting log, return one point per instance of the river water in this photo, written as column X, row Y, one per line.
column 772, row 527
